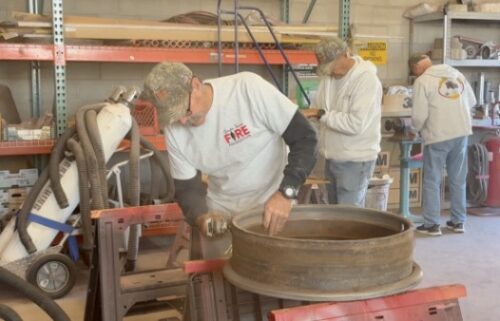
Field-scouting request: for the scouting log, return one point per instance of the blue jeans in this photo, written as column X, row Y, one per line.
column 453, row 154
column 348, row 181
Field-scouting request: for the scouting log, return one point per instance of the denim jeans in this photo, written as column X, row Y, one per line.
column 348, row 181
column 453, row 154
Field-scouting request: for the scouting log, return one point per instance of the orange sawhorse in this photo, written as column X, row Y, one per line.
column 438, row 303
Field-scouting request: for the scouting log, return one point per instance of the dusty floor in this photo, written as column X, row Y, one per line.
column 471, row 259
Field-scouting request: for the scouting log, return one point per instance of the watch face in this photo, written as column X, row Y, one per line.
column 290, row 192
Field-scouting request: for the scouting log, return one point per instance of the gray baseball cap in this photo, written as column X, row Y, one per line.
column 327, row 50
column 168, row 87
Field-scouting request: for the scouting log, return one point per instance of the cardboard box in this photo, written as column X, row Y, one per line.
column 415, row 197
column 25, row 177
column 415, row 177
column 16, row 133
column 17, row 195
column 396, row 103
column 383, row 162
column 487, row 7
column 457, row 7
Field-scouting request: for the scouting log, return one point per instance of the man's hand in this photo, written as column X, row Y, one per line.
column 312, row 112
column 212, row 224
column 276, row 212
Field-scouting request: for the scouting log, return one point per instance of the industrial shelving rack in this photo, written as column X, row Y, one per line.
column 60, row 53
column 447, row 19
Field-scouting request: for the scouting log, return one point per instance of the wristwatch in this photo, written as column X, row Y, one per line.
column 289, row 192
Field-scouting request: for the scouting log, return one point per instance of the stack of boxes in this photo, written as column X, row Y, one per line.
column 415, row 193
column 457, row 51
column 400, row 103
column 14, row 187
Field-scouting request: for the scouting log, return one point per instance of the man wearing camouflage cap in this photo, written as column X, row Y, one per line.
column 235, row 129
column 348, row 106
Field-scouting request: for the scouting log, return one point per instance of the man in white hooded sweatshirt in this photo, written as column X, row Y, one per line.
column 442, row 103
column 348, row 105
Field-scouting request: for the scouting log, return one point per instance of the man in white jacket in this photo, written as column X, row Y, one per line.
column 349, row 109
column 442, row 103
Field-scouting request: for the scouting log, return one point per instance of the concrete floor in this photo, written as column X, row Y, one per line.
column 471, row 259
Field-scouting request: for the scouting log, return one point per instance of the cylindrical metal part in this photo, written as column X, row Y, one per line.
column 130, row 95
column 493, row 198
column 117, row 93
column 324, row 253
column 480, row 98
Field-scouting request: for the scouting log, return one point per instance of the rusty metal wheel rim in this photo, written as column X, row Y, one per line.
column 293, row 294
column 314, row 266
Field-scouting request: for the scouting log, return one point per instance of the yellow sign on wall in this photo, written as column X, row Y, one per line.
column 374, row 51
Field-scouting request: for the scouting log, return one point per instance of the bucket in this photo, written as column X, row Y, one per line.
column 377, row 194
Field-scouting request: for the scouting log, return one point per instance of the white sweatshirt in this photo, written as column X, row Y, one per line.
column 350, row 128
column 442, row 102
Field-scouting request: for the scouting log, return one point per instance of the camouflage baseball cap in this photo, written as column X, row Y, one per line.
column 327, row 50
column 168, row 87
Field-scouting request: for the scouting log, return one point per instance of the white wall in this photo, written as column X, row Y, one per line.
column 90, row 82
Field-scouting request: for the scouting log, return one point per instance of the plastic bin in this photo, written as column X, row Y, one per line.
column 377, row 194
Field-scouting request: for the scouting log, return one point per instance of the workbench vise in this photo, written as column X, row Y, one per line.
column 401, row 127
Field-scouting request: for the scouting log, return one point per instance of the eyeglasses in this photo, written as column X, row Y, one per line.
column 188, row 110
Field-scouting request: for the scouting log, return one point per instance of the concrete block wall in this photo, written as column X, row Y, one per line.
column 91, row 82
column 377, row 20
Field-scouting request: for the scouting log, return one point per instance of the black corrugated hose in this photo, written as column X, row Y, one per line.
column 154, row 192
column 162, row 161
column 94, row 170
column 8, row 314
column 34, row 294
column 55, row 158
column 22, row 216
column 134, row 191
column 83, row 187
column 96, row 139
column 477, row 174
column 92, row 166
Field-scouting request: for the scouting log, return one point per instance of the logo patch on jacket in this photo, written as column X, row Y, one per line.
column 237, row 134
column 451, row 88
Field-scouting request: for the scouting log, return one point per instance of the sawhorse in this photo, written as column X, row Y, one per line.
column 112, row 294
column 220, row 302
column 430, row 304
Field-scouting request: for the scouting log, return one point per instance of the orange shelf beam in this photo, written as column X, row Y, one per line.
column 40, row 147
column 26, row 147
column 45, row 52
